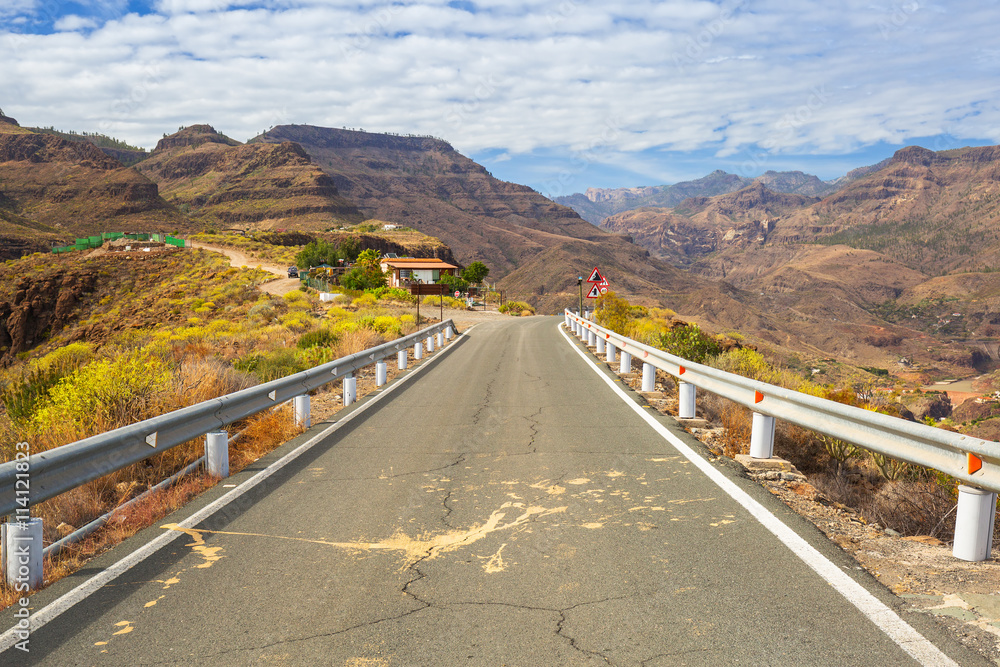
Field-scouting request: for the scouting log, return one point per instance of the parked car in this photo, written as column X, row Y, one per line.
column 293, row 272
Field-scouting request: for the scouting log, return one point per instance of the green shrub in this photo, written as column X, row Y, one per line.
column 317, row 338
column 271, row 365
column 106, row 393
column 516, row 308
column 691, row 343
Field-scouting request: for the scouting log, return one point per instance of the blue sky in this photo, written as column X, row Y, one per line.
column 561, row 95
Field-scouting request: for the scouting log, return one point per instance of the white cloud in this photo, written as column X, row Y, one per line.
column 12, row 8
column 516, row 77
column 72, row 22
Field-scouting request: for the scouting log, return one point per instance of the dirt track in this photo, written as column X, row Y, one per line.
column 281, row 285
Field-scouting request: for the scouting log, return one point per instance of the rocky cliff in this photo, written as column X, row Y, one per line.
column 41, row 306
column 55, row 190
column 221, row 182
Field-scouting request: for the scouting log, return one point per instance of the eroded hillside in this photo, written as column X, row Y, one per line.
column 53, row 190
column 221, row 182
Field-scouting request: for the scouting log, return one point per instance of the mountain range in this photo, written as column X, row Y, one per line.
column 864, row 269
column 596, row 204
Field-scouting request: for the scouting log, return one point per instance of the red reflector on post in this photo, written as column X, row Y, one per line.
column 758, row 397
column 681, row 370
column 975, row 463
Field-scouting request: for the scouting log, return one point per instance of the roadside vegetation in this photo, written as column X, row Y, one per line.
column 911, row 500
column 155, row 336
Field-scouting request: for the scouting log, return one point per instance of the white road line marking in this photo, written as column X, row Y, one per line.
column 45, row 615
column 901, row 632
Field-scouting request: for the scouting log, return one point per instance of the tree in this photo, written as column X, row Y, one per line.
column 367, row 273
column 323, row 252
column 455, row 283
column 475, row 273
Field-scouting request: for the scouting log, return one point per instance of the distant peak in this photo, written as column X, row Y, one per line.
column 333, row 137
column 194, row 135
column 915, row 155
column 8, row 119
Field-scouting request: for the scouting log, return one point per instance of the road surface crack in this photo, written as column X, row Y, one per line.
column 448, row 509
column 533, row 424
column 488, row 395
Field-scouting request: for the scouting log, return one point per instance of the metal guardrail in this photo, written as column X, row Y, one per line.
column 951, row 453
column 64, row 468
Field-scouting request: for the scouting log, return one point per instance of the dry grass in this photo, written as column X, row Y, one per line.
column 737, row 422
column 352, row 342
column 263, row 433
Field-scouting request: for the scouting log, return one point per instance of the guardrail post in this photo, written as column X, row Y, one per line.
column 448, row 333
column 611, row 352
column 21, row 552
column 381, row 372
column 762, row 437
column 418, row 350
column 301, row 410
column 350, row 389
column 625, row 366
column 686, row 402
column 430, row 344
column 648, row 377
column 974, row 523
column 440, row 339
column 600, row 345
column 592, row 338
column 217, row 451
column 566, row 317
column 401, row 359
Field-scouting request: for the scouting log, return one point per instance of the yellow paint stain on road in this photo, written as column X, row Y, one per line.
column 551, row 489
column 495, row 563
column 152, row 603
column 692, row 500
column 593, row 526
column 578, row 481
column 100, row 643
column 721, row 523
column 614, row 473
column 210, row 554
column 425, row 547
column 170, row 582
column 126, row 627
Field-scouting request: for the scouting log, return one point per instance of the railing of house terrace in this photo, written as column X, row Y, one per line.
column 971, row 460
column 29, row 480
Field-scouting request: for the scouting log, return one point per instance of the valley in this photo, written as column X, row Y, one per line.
column 887, row 267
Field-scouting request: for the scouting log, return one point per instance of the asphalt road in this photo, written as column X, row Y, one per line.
column 503, row 507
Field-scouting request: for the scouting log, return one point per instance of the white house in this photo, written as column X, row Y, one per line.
column 408, row 270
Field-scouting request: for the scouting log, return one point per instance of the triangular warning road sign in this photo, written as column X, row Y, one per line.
column 594, row 292
column 595, row 277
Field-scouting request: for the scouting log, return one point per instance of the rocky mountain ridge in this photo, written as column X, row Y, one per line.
column 220, row 181
column 598, row 203
column 54, row 190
